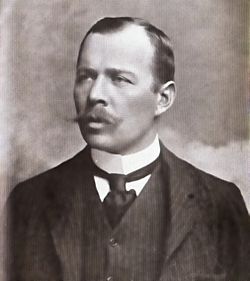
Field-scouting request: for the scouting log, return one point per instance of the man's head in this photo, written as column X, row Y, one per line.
column 125, row 73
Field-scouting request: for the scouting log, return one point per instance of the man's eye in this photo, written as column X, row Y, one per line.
column 121, row 79
column 83, row 77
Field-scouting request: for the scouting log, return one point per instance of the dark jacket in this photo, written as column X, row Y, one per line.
column 208, row 234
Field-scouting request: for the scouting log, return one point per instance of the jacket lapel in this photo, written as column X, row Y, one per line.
column 185, row 200
column 66, row 214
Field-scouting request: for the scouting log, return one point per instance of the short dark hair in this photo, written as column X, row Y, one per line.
column 163, row 57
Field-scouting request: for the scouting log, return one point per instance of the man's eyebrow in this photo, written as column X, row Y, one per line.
column 85, row 69
column 116, row 71
column 109, row 71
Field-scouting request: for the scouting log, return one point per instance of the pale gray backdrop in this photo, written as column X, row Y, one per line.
column 39, row 42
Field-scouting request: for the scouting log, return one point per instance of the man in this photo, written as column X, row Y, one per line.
column 125, row 208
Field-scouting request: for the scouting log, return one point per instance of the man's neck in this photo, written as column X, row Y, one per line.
column 125, row 164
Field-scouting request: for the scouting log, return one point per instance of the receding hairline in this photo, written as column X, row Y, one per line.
column 109, row 25
column 125, row 25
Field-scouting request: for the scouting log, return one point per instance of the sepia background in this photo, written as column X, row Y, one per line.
column 39, row 42
column 207, row 125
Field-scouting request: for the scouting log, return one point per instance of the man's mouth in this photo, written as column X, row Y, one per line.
column 95, row 122
column 96, row 118
column 92, row 118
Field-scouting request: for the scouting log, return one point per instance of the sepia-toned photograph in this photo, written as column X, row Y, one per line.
column 124, row 140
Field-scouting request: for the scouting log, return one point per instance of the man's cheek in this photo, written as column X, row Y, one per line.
column 80, row 101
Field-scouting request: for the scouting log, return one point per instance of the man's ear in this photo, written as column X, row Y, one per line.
column 165, row 97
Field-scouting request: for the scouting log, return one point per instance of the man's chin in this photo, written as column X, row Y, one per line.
column 100, row 142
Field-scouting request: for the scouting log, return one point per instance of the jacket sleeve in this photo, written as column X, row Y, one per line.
column 233, row 229
column 242, row 221
column 30, row 251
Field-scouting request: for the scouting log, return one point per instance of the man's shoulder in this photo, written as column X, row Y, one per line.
column 182, row 165
column 221, row 192
column 53, row 178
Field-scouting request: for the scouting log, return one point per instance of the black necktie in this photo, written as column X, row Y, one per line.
column 118, row 200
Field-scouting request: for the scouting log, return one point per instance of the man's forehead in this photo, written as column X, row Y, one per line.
column 130, row 44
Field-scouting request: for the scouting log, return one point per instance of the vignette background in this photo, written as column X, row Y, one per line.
column 207, row 124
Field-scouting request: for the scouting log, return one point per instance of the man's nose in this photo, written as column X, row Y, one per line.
column 97, row 93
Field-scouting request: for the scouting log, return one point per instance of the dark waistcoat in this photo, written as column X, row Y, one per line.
column 134, row 250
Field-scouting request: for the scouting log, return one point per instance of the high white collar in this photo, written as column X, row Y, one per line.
column 125, row 164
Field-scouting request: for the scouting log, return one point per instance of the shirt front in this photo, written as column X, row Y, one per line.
column 124, row 164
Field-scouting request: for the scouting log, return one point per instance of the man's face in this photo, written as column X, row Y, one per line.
column 113, row 91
